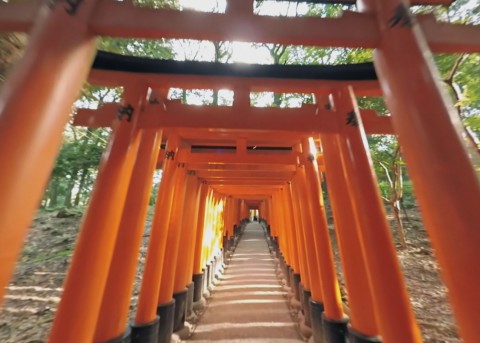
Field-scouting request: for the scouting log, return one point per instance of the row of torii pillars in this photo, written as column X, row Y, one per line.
column 33, row 107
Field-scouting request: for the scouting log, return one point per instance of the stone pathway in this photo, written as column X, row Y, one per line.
column 249, row 303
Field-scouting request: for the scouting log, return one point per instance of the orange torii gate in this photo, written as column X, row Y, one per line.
column 36, row 99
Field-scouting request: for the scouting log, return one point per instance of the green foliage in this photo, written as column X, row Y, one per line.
column 76, row 167
column 373, row 103
column 153, row 48
column 165, row 4
column 327, row 10
column 137, row 47
column 473, row 122
column 77, row 163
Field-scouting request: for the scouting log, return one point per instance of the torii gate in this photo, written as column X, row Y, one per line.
column 34, row 107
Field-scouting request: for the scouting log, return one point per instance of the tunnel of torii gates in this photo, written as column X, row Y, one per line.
column 220, row 162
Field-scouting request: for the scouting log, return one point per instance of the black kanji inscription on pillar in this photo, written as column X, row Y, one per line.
column 401, row 16
column 125, row 111
column 71, row 6
column 352, row 119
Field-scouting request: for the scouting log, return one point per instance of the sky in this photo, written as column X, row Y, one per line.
column 244, row 52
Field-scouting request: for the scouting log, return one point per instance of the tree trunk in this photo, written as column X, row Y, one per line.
column 81, row 185
column 184, row 96
column 277, row 99
column 68, row 194
column 469, row 138
column 397, row 196
column 399, row 223
column 53, row 194
column 393, row 172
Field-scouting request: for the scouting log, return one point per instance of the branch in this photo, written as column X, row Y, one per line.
column 387, row 174
column 456, row 65
column 396, row 154
column 449, row 81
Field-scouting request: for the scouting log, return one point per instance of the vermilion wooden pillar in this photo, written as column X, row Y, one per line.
column 78, row 310
column 147, row 301
column 244, row 210
column 209, row 231
column 50, row 75
column 395, row 318
column 186, row 243
column 289, row 235
column 208, row 223
column 272, row 222
column 195, row 233
column 212, row 240
column 312, row 253
column 278, row 215
column 217, row 228
column 181, row 252
column 362, row 314
column 334, row 320
column 166, row 303
column 228, row 220
column 429, row 131
column 198, row 276
column 184, row 253
column 113, row 315
column 190, row 274
column 197, row 262
column 301, row 227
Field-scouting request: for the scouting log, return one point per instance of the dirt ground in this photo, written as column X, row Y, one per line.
column 428, row 294
column 36, row 287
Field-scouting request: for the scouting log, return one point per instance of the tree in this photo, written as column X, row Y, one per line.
column 79, row 156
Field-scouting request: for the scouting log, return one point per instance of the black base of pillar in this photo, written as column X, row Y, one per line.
column 189, row 306
column 180, row 309
column 335, row 330
column 302, row 299
column 211, row 273
column 281, row 261
column 306, row 295
column 316, row 312
column 226, row 245
column 356, row 337
column 223, row 261
column 296, row 285
column 146, row 333
column 236, row 230
column 197, row 287
column 217, row 266
column 167, row 314
column 290, row 276
column 207, row 278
